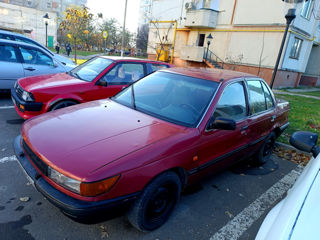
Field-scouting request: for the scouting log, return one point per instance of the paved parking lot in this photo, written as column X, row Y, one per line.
column 230, row 205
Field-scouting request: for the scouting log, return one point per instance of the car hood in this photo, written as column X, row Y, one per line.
column 46, row 81
column 80, row 139
column 64, row 60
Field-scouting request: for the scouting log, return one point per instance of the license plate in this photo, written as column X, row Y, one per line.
column 26, row 174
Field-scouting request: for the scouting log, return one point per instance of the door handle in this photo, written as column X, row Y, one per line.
column 273, row 118
column 30, row 69
column 244, row 128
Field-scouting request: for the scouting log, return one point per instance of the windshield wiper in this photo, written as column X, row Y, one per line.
column 133, row 98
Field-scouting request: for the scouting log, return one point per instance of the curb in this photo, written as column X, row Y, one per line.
column 289, row 147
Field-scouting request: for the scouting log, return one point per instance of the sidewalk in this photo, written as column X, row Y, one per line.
column 82, row 57
column 297, row 94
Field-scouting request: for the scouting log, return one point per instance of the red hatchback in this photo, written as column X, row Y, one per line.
column 144, row 145
column 98, row 78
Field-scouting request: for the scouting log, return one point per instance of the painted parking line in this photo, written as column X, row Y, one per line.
column 6, row 107
column 8, row 159
column 240, row 223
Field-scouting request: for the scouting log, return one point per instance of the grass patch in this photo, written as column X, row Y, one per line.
column 79, row 61
column 304, row 115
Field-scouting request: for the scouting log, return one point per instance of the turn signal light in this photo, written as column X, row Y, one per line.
column 97, row 188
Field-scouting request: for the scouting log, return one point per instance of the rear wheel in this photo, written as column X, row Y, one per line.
column 63, row 104
column 264, row 154
column 155, row 204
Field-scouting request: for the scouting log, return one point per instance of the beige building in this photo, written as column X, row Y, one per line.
column 246, row 36
column 29, row 22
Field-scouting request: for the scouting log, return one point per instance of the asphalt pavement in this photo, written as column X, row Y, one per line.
column 229, row 205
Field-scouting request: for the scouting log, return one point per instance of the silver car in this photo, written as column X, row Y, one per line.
column 6, row 35
column 19, row 60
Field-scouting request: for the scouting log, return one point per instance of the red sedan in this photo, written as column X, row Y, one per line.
column 98, row 78
column 144, row 145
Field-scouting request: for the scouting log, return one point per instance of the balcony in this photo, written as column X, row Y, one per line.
column 192, row 53
column 201, row 18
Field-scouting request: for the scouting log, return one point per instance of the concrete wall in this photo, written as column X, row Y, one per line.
column 17, row 18
column 259, row 12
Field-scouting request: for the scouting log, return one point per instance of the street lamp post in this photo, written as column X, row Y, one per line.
column 46, row 18
column 290, row 16
column 124, row 28
column 208, row 44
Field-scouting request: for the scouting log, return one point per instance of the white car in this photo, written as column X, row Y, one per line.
column 297, row 216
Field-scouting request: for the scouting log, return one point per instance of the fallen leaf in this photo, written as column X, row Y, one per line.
column 24, row 199
column 229, row 214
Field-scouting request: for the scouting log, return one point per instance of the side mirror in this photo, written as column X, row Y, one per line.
column 305, row 141
column 223, row 124
column 101, row 83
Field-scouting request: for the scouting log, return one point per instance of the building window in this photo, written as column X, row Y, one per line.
column 296, row 47
column 49, row 4
column 307, row 9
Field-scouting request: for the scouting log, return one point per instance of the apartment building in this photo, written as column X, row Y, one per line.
column 246, row 36
column 26, row 17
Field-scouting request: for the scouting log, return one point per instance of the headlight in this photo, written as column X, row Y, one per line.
column 26, row 96
column 64, row 181
column 87, row 189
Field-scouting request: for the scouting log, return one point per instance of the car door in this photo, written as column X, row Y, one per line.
column 36, row 62
column 10, row 66
column 262, row 111
column 118, row 77
column 219, row 148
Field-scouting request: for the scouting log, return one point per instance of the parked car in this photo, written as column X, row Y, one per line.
column 19, row 60
column 297, row 216
column 144, row 145
column 21, row 38
column 100, row 77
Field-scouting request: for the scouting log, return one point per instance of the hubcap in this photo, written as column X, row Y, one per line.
column 160, row 203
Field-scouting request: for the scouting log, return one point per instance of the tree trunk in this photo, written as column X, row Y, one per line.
column 75, row 50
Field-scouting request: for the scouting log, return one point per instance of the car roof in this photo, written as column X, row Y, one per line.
column 12, row 42
column 212, row 74
column 118, row 58
column 11, row 33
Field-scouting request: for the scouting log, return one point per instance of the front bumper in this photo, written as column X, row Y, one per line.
column 70, row 206
column 23, row 107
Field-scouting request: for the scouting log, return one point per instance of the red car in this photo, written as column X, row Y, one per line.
column 98, row 78
column 144, row 145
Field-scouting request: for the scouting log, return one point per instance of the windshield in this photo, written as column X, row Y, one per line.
column 90, row 69
column 172, row 97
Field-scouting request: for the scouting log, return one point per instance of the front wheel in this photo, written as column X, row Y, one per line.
column 156, row 202
column 63, row 104
column 264, row 153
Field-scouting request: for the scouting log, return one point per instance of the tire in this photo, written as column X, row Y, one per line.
column 62, row 104
column 156, row 202
column 265, row 152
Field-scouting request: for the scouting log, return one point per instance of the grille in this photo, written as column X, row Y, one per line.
column 19, row 91
column 35, row 159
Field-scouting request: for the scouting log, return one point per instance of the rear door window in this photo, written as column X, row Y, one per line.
column 257, row 99
column 152, row 67
column 269, row 99
column 7, row 54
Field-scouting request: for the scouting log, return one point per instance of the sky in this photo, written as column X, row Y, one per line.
column 115, row 9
